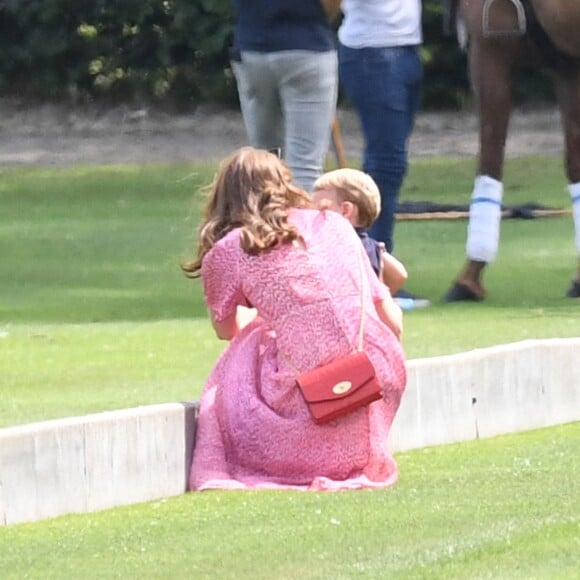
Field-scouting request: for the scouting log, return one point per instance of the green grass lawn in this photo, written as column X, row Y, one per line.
column 95, row 313
column 507, row 507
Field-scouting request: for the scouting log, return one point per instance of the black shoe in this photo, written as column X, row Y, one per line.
column 461, row 293
column 574, row 290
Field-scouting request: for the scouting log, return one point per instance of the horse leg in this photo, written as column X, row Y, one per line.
column 567, row 84
column 490, row 65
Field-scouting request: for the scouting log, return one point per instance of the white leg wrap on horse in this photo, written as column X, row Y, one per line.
column 484, row 219
column 574, row 189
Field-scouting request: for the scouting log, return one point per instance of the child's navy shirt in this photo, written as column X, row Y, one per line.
column 372, row 248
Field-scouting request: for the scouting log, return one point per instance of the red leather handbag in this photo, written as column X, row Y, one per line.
column 344, row 384
column 340, row 387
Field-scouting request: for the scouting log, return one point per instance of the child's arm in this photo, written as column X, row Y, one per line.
column 233, row 324
column 393, row 274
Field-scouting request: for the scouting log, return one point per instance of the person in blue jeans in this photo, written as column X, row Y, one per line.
column 381, row 73
column 285, row 63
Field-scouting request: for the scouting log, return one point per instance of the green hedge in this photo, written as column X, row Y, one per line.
column 170, row 51
column 127, row 49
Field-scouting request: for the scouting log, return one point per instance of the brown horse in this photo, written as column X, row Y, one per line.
column 502, row 35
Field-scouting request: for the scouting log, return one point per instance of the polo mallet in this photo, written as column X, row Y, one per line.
column 338, row 144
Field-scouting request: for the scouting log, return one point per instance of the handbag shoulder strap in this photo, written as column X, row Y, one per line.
column 364, row 287
column 363, row 291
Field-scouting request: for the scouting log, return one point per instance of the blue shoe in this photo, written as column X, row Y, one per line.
column 408, row 301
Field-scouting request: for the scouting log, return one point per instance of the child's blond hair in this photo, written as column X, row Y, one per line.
column 356, row 187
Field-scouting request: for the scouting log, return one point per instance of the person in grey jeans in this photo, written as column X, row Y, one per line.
column 285, row 63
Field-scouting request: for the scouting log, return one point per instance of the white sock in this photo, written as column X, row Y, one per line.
column 574, row 189
column 484, row 219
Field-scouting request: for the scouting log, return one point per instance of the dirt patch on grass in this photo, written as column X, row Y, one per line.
column 52, row 135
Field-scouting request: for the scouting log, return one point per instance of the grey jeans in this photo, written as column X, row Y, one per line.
column 288, row 100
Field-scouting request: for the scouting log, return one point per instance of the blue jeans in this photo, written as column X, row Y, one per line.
column 288, row 100
column 384, row 85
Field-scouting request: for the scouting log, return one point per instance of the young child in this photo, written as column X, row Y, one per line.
column 355, row 195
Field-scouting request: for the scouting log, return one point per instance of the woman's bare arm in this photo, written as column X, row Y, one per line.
column 391, row 314
column 232, row 325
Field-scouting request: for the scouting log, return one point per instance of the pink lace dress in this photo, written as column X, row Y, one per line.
column 254, row 429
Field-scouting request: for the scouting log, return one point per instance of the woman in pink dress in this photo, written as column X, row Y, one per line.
column 282, row 282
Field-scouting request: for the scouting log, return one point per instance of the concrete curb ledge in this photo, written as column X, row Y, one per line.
column 489, row 391
column 99, row 461
column 95, row 462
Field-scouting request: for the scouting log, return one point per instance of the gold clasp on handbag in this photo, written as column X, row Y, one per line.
column 342, row 387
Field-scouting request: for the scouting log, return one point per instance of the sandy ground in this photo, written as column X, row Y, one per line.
column 50, row 135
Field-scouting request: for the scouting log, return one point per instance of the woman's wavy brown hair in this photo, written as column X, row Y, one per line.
column 253, row 191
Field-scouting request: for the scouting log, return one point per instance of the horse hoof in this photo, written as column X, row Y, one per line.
column 461, row 293
column 574, row 290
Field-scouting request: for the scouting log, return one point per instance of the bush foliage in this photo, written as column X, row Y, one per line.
column 170, row 51
column 126, row 49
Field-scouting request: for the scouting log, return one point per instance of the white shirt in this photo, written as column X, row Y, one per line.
column 380, row 23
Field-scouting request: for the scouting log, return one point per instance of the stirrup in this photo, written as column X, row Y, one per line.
column 520, row 12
